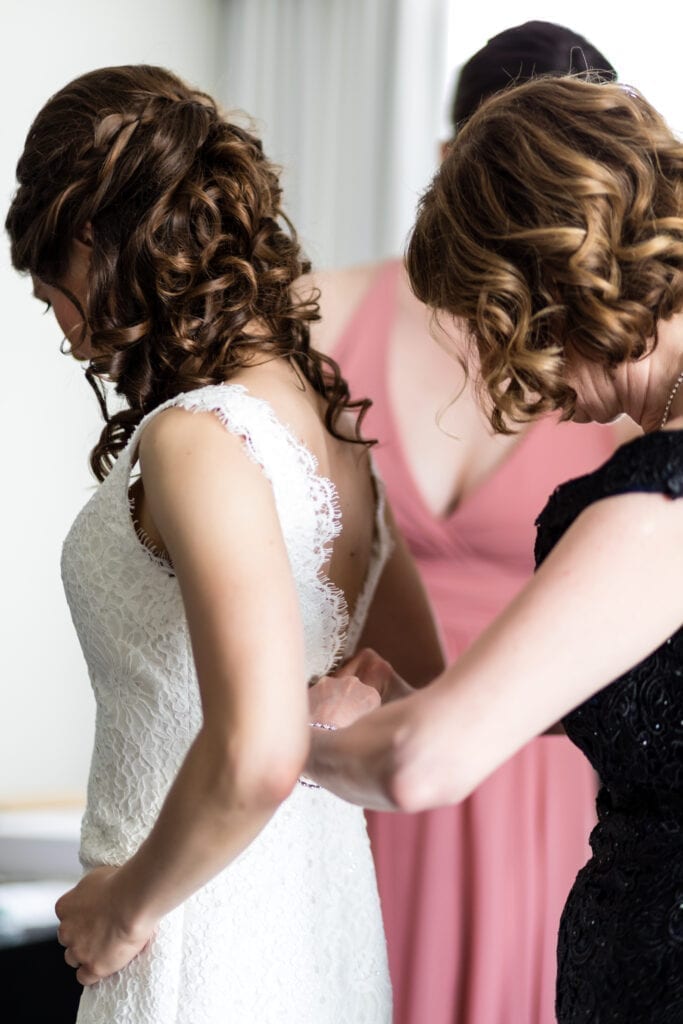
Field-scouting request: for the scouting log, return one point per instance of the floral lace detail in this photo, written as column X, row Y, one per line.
column 620, row 950
column 291, row 932
column 156, row 556
column 316, row 519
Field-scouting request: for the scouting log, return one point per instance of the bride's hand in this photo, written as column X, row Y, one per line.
column 96, row 943
column 340, row 700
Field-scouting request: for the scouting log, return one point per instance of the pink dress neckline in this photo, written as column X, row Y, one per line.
column 382, row 295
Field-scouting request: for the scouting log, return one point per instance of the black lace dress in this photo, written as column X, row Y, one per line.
column 620, row 948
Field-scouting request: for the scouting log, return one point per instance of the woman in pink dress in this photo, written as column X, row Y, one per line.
column 471, row 894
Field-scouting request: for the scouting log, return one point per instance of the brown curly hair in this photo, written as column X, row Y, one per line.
column 193, row 259
column 554, row 228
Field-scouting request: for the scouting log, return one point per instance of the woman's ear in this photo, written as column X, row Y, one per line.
column 80, row 257
column 84, row 236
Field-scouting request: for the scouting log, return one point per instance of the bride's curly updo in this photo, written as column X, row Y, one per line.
column 554, row 228
column 193, row 260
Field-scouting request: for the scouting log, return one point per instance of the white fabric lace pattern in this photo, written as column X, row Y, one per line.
column 291, row 932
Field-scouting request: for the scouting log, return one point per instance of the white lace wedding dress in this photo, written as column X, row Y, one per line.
column 290, row 932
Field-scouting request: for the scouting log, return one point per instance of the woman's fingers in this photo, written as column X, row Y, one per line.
column 71, row 959
column 341, row 700
column 371, row 669
column 355, row 691
column 86, row 977
column 83, row 974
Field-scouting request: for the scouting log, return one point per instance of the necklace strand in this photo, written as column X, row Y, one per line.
column 672, row 395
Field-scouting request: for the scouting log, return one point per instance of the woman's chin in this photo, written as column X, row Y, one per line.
column 616, row 418
column 602, row 416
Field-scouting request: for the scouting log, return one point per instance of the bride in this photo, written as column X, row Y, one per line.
column 202, row 576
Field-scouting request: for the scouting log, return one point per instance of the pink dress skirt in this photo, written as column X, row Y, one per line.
column 472, row 894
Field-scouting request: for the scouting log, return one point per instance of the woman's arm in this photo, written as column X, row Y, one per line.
column 215, row 511
column 606, row 597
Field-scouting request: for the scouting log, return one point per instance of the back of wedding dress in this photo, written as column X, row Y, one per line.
column 291, row 931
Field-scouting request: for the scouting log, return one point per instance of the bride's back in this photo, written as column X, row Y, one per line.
column 345, row 463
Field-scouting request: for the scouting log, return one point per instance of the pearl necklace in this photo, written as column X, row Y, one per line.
column 672, row 395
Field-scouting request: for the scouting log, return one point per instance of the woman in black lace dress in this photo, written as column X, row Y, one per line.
column 555, row 228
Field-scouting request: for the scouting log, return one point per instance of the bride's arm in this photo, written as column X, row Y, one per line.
column 215, row 511
column 607, row 596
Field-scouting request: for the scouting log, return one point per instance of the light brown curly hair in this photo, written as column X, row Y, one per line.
column 193, row 259
column 554, row 229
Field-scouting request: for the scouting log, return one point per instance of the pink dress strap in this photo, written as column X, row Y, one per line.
column 365, row 337
column 362, row 351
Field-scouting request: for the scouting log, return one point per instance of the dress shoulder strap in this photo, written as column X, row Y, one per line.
column 307, row 503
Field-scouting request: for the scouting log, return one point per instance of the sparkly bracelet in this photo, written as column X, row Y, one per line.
column 303, row 781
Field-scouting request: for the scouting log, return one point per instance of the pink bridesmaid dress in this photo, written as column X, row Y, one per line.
column 472, row 894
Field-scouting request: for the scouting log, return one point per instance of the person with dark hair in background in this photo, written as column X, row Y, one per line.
column 471, row 895
column 518, row 54
column 554, row 229
column 202, row 576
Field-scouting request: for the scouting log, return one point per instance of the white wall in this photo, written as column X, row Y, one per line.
column 346, row 94
column 48, row 416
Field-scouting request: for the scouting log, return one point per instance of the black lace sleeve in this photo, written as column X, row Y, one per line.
column 652, row 463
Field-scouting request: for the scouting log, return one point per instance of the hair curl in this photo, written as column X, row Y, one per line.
column 554, row 228
column 193, row 259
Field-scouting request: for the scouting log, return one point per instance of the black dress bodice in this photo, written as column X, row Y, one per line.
column 620, row 949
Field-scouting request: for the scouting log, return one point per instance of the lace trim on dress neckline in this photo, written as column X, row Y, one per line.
column 381, row 547
column 156, row 555
column 322, row 491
